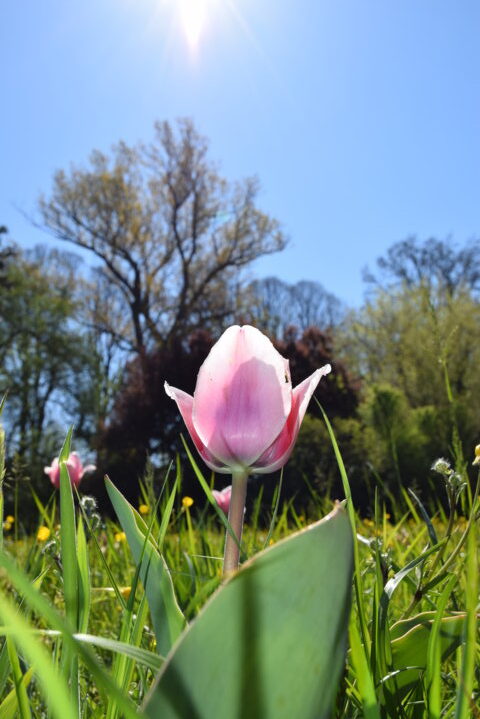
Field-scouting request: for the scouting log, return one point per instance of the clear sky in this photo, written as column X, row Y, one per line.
column 360, row 117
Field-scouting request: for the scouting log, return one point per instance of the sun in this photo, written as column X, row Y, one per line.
column 193, row 17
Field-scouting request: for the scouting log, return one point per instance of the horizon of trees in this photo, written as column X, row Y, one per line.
column 173, row 240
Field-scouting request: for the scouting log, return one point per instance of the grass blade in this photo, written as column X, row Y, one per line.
column 358, row 582
column 463, row 705
column 54, row 685
column 364, row 678
column 168, row 620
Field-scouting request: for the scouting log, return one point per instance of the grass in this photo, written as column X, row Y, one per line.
column 73, row 609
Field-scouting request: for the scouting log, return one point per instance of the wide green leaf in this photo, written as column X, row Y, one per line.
column 270, row 644
column 410, row 640
column 167, row 618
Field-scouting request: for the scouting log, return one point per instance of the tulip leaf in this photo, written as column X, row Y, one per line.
column 409, row 645
column 167, row 618
column 270, row 643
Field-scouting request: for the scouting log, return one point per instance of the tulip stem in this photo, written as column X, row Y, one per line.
column 235, row 518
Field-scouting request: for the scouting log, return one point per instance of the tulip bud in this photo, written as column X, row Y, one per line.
column 244, row 415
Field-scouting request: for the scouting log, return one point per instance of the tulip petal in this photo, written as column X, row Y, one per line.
column 243, row 396
column 185, row 405
column 280, row 450
column 75, row 469
column 53, row 472
column 223, row 498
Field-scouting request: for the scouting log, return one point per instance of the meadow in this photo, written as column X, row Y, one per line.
column 79, row 627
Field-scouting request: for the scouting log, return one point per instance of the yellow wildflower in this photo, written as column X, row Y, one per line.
column 43, row 534
column 125, row 592
column 187, row 502
column 477, row 455
column 144, row 509
column 120, row 537
column 7, row 526
column 9, row 519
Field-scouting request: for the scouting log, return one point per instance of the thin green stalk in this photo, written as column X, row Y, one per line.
column 433, row 671
column 235, row 518
column 358, row 582
column 464, row 704
column 20, row 688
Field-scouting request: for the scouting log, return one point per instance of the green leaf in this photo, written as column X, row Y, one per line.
column 358, row 579
column 384, row 656
column 68, row 541
column 25, row 637
column 434, row 652
column 410, row 641
column 167, row 618
column 9, row 706
column 464, row 702
column 17, row 676
column 65, row 451
column 143, row 656
column 54, row 686
column 208, row 493
column 167, row 511
column 84, row 591
column 366, row 688
column 270, row 644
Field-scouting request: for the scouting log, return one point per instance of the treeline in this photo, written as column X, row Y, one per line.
column 162, row 246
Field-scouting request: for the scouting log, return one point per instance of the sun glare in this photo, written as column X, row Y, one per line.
column 193, row 16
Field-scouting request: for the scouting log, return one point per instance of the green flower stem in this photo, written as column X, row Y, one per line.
column 235, row 518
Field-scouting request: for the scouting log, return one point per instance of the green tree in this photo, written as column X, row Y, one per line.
column 417, row 350
column 44, row 359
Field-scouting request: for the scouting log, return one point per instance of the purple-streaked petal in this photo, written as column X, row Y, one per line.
column 280, row 450
column 242, row 398
column 185, row 405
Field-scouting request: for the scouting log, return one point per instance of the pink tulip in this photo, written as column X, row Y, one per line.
column 244, row 416
column 223, row 498
column 74, row 467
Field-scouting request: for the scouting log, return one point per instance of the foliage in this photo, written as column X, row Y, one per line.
column 414, row 656
column 423, row 344
column 44, row 361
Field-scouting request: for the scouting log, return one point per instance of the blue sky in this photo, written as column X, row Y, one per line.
column 360, row 117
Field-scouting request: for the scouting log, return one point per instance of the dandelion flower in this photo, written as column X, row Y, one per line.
column 43, row 534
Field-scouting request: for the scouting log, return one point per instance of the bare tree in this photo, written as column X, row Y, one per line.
column 279, row 305
column 171, row 236
column 430, row 262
